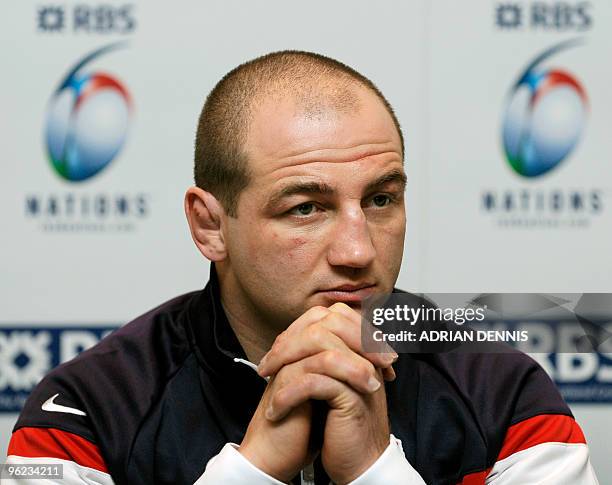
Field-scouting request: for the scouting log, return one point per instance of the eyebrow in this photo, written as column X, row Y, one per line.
column 393, row 176
column 300, row 188
column 320, row 188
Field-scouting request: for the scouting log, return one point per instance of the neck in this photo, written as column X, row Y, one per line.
column 254, row 334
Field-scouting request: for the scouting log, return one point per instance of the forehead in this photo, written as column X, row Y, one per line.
column 285, row 139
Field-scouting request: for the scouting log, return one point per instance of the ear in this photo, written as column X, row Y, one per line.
column 204, row 214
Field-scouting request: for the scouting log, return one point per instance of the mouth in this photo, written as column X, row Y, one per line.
column 349, row 293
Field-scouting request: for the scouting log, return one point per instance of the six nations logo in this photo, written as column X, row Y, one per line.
column 544, row 117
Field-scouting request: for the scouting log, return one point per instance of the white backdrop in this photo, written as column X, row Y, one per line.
column 447, row 67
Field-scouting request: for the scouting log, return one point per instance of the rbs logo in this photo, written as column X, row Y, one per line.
column 91, row 19
column 27, row 354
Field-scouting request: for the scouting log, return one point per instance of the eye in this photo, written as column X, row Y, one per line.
column 303, row 209
column 381, row 200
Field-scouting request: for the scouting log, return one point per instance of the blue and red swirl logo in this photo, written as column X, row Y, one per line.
column 87, row 120
column 545, row 116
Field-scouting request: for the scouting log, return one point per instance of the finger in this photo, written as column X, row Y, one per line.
column 316, row 313
column 388, row 373
column 356, row 318
column 268, row 365
column 312, row 315
column 349, row 330
column 309, row 386
column 346, row 310
column 311, row 341
column 334, row 330
column 344, row 366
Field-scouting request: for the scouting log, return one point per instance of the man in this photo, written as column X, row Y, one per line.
column 299, row 205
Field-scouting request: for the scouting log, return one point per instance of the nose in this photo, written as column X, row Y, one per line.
column 351, row 243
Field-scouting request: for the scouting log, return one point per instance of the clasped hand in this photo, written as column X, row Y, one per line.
column 319, row 357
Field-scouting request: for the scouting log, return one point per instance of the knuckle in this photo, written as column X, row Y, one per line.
column 272, row 352
column 340, row 306
column 339, row 318
column 314, row 383
column 359, row 371
column 276, row 349
column 365, row 371
column 308, row 381
column 331, row 358
column 331, row 319
column 316, row 334
column 280, row 339
column 283, row 375
column 319, row 311
column 278, row 398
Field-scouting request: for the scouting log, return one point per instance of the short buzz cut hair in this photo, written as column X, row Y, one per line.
column 314, row 80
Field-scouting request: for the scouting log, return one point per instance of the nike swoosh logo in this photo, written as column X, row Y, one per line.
column 50, row 406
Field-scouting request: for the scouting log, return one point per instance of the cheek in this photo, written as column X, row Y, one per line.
column 281, row 241
column 295, row 252
column 297, row 247
column 276, row 245
column 291, row 253
column 389, row 239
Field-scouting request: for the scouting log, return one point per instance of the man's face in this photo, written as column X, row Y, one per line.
column 323, row 217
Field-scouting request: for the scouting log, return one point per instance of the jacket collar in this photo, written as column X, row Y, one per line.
column 216, row 347
column 216, row 343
